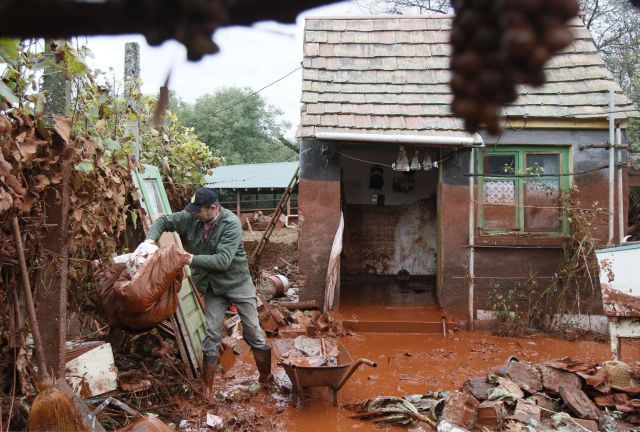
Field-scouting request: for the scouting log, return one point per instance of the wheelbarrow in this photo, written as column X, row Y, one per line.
column 302, row 376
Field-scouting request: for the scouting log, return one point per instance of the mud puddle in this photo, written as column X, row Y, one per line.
column 407, row 363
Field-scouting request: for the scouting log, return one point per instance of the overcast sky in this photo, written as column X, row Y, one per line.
column 249, row 57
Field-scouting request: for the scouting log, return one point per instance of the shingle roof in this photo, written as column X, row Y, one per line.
column 252, row 176
column 390, row 75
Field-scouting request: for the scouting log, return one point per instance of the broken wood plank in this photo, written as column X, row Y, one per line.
column 303, row 305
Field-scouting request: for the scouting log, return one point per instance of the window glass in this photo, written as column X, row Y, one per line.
column 520, row 189
column 154, row 197
column 500, row 204
column 542, row 193
column 499, row 164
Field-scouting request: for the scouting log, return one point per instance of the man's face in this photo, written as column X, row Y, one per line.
column 206, row 214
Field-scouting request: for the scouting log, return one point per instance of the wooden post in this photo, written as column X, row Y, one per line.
column 50, row 303
column 238, row 206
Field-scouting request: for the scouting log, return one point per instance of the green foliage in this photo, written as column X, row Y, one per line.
column 179, row 147
column 633, row 135
column 524, row 306
column 517, row 308
column 240, row 132
column 102, row 136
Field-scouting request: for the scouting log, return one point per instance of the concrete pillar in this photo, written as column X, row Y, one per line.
column 319, row 213
column 56, row 87
column 131, row 90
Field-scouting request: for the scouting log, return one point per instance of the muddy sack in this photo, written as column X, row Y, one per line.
column 150, row 297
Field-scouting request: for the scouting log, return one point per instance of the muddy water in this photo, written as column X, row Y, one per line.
column 413, row 363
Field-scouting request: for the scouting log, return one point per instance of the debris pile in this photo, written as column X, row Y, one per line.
column 304, row 351
column 558, row 394
column 291, row 319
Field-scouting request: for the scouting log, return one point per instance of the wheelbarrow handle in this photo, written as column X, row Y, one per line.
column 368, row 362
column 352, row 369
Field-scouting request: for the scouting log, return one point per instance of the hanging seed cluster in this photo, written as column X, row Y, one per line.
column 498, row 44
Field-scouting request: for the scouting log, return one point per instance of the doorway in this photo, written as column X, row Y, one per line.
column 389, row 255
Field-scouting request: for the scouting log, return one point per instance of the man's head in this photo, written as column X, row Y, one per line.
column 204, row 204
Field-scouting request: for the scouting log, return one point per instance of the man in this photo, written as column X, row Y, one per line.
column 213, row 235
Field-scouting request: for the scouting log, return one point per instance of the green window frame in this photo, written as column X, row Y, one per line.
column 520, row 189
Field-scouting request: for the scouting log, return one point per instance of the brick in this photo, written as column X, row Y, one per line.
column 553, row 379
column 525, row 375
column 460, row 409
column 526, row 413
column 490, row 415
column 588, row 424
column 579, row 404
column 477, row 387
column 611, row 400
column 543, row 402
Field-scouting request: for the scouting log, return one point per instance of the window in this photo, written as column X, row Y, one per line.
column 520, row 189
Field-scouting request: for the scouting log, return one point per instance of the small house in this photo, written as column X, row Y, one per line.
column 422, row 200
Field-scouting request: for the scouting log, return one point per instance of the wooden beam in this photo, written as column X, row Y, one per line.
column 558, row 123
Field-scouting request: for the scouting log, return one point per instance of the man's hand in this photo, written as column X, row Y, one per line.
column 190, row 259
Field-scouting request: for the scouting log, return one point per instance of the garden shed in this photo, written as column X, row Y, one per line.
column 250, row 188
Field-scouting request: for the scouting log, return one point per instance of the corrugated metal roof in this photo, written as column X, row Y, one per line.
column 252, row 176
column 391, row 74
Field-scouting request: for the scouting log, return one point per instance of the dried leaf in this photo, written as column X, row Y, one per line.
column 27, row 202
column 77, row 214
column 5, row 125
column 28, row 148
column 14, row 184
column 39, row 182
column 62, row 126
column 6, row 200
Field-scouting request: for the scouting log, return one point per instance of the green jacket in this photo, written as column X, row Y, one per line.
column 219, row 264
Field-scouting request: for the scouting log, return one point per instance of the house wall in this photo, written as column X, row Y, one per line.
column 319, row 213
column 503, row 260
column 508, row 259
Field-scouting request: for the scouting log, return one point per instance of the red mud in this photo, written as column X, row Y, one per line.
column 411, row 363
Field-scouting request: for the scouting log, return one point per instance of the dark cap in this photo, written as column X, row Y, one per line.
column 203, row 197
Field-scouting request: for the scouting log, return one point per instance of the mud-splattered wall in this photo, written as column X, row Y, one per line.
column 506, row 259
column 386, row 240
column 319, row 213
column 509, row 258
column 399, row 234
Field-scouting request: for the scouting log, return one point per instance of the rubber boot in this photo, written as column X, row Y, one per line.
column 209, row 364
column 263, row 363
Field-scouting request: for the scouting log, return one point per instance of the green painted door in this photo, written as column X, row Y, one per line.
column 155, row 203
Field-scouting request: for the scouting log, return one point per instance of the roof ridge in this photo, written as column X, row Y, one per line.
column 383, row 16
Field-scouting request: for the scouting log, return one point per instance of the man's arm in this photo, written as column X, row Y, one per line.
column 225, row 250
column 167, row 223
